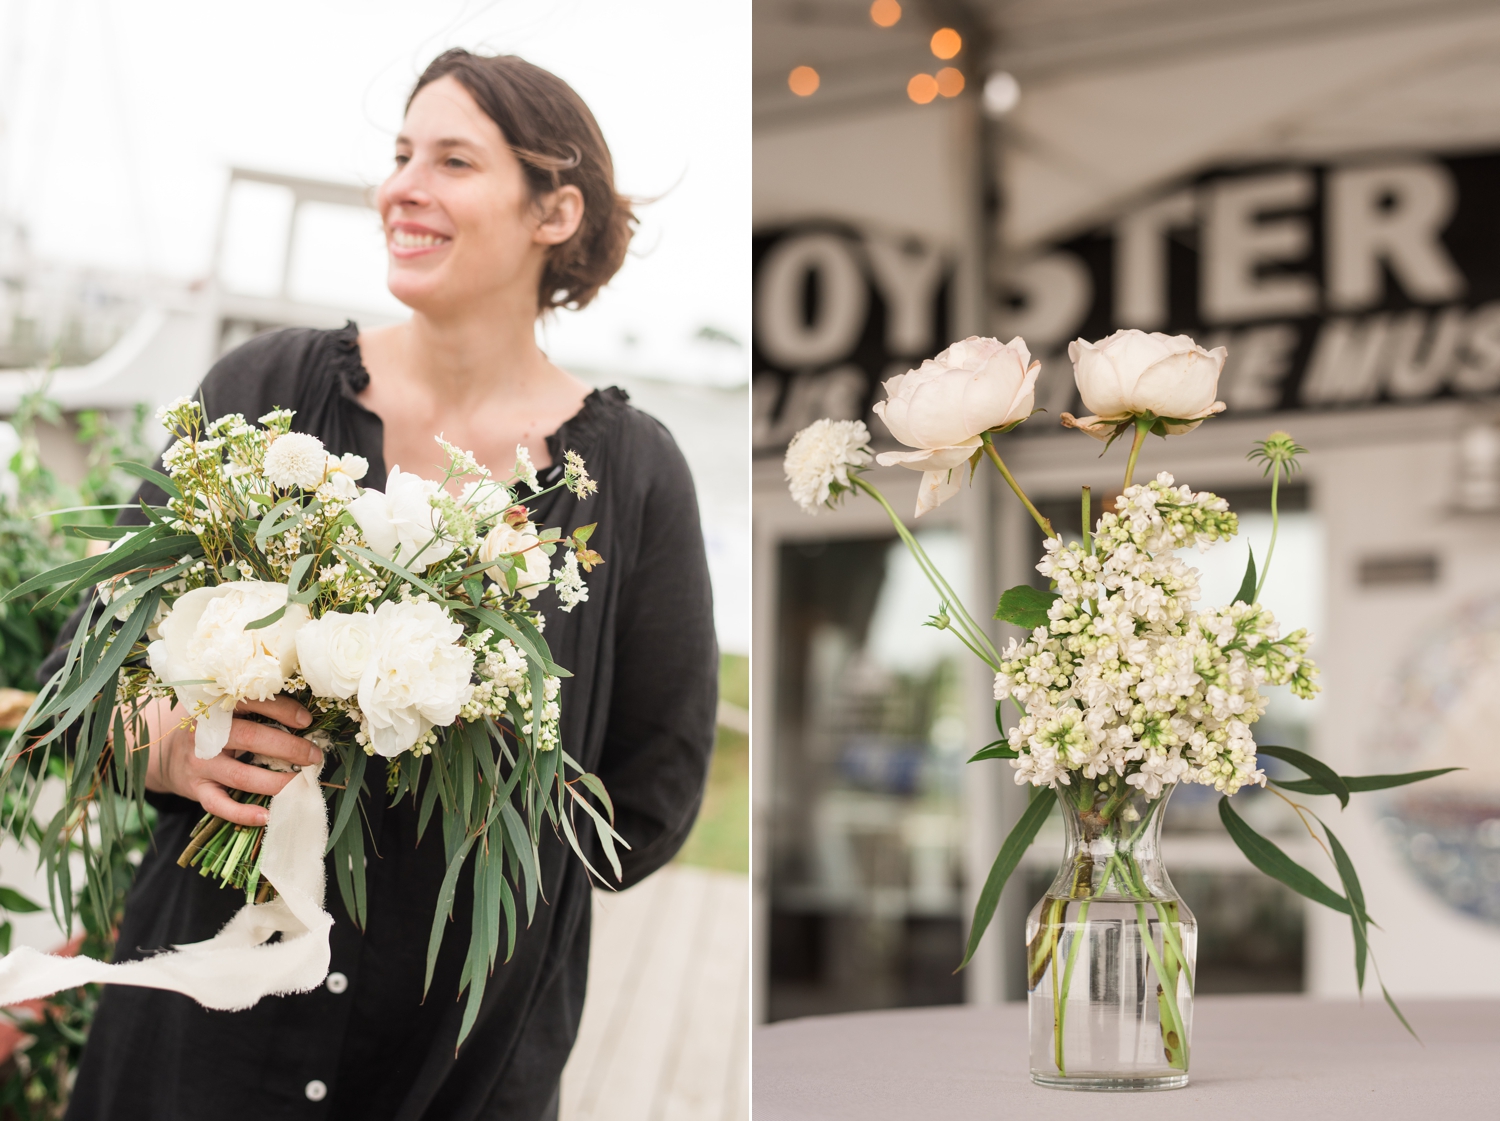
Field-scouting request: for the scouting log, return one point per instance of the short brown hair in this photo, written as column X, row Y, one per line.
column 558, row 142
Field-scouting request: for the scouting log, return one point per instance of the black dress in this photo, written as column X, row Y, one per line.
column 638, row 711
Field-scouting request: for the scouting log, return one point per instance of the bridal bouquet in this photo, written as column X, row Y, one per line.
column 401, row 620
column 1123, row 684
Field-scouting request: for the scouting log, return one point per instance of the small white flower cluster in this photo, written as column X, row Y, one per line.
column 504, row 675
column 820, row 457
column 1127, row 678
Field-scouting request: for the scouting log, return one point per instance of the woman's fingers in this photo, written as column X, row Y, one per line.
column 263, row 739
column 281, row 707
column 241, row 776
column 216, row 800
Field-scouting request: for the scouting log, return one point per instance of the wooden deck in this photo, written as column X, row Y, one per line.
column 665, row 1032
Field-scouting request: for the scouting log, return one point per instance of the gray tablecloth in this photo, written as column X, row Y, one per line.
column 1278, row 1058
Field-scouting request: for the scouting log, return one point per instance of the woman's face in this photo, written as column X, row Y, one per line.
column 461, row 226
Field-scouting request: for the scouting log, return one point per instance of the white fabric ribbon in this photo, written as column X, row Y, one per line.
column 235, row 968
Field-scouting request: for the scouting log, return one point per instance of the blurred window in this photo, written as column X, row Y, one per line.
column 866, row 889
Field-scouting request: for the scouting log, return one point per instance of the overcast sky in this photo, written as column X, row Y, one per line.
column 122, row 116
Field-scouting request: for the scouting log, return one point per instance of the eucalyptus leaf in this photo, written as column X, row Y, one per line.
column 1319, row 772
column 1278, row 865
column 1010, row 854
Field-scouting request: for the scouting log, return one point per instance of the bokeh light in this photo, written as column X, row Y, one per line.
column 803, row 81
column 950, row 81
column 1001, row 93
column 922, row 88
column 885, row 13
column 946, row 42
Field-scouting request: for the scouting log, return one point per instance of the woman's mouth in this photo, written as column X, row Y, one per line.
column 413, row 243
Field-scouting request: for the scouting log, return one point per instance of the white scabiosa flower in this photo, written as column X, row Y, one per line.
column 296, row 460
column 820, row 457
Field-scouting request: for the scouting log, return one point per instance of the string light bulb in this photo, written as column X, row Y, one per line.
column 803, row 81
column 950, row 81
column 946, row 43
column 885, row 13
column 922, row 88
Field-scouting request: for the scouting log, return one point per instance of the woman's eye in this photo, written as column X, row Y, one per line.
column 454, row 161
column 402, row 161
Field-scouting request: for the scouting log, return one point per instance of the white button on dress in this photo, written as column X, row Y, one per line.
column 316, row 1090
column 337, row 983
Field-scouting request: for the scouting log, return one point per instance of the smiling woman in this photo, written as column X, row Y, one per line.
column 500, row 207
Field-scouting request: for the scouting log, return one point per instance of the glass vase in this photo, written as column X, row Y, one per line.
column 1110, row 950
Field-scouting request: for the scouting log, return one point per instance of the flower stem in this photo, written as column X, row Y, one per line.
column 1142, row 426
column 989, row 450
column 971, row 634
column 1275, row 525
column 1088, row 538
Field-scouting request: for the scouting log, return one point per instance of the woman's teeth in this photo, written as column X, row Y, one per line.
column 408, row 240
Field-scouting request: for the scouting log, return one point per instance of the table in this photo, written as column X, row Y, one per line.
column 1271, row 1058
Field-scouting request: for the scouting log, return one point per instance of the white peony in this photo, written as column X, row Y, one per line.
column 296, row 459
column 819, row 458
column 941, row 408
column 1133, row 373
column 344, row 473
column 334, row 652
column 401, row 524
column 532, row 569
column 204, row 640
column 417, row 676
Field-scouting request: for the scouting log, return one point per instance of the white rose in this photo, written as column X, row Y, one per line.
column 402, row 524
column 943, row 406
column 417, row 677
column 532, row 566
column 334, row 651
column 203, row 639
column 1133, row 373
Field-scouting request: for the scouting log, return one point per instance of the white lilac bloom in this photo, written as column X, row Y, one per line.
column 296, row 459
column 1127, row 675
column 204, row 642
column 820, row 457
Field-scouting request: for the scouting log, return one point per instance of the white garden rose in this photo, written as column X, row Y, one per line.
column 942, row 407
column 418, row 675
column 203, row 639
column 533, row 569
column 334, row 651
column 402, row 524
column 1133, row 373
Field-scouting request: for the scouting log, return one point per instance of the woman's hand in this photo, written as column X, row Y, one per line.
column 174, row 768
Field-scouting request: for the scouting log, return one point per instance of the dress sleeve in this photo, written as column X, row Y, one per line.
column 666, row 669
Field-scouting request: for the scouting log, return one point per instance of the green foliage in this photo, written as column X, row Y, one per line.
column 1246, row 594
column 1025, row 606
column 1042, row 800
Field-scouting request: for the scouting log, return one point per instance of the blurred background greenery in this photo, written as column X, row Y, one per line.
column 721, row 838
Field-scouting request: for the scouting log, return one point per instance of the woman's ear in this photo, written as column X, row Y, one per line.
column 562, row 213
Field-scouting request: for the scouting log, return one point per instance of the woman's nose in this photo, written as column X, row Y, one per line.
column 406, row 186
